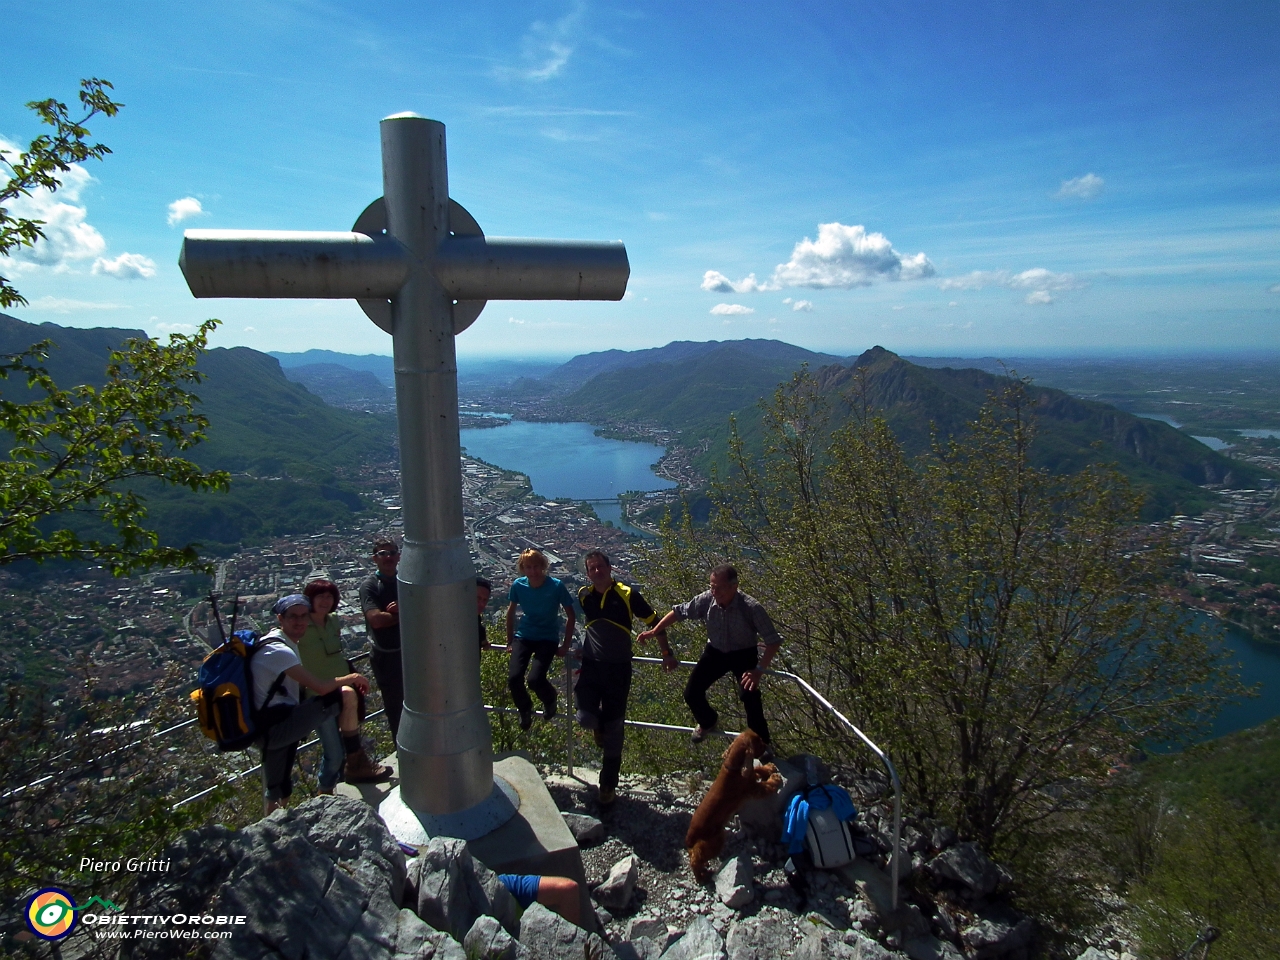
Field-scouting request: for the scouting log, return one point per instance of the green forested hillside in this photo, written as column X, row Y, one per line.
column 292, row 457
column 695, row 397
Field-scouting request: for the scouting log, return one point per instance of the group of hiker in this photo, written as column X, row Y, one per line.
column 303, row 680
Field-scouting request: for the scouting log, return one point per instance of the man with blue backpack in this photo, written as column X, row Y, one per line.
column 278, row 675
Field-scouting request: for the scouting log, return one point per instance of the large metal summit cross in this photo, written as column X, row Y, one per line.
column 422, row 269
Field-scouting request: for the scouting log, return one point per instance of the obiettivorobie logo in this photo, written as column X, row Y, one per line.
column 52, row 913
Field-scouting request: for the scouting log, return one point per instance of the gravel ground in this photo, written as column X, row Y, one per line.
column 649, row 820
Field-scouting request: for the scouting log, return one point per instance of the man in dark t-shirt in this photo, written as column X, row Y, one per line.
column 604, row 682
column 379, row 595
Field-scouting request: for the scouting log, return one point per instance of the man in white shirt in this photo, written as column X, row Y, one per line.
column 278, row 676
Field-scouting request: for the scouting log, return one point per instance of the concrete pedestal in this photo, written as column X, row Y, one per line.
column 533, row 840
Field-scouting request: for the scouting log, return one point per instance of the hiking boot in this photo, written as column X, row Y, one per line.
column 607, row 798
column 701, row 733
column 360, row 769
column 325, row 791
column 548, row 710
column 526, row 720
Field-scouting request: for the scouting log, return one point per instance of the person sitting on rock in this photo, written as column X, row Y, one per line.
column 278, row 676
column 323, row 654
column 558, row 894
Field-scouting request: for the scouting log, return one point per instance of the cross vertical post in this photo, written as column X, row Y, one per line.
column 446, row 754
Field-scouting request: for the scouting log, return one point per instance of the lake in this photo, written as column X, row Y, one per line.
column 568, row 461
column 1260, row 664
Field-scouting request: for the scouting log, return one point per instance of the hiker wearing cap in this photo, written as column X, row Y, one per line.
column 736, row 623
column 604, row 683
column 379, row 600
column 322, row 652
column 278, row 679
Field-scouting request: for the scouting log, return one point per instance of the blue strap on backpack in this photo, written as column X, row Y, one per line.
column 224, row 700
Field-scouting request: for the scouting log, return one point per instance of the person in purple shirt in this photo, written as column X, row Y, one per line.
column 736, row 623
column 539, row 598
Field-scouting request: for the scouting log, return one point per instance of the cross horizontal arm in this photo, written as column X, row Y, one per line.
column 288, row 263
column 516, row 268
column 278, row 263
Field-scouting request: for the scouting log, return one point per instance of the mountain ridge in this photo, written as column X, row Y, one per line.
column 695, row 397
column 289, row 452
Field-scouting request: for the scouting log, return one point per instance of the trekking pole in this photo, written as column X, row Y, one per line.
column 217, row 618
column 235, row 612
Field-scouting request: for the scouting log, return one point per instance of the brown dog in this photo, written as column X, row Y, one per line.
column 739, row 780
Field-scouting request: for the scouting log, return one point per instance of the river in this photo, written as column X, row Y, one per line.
column 567, row 460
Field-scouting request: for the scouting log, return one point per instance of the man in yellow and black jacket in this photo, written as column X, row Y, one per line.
column 605, row 680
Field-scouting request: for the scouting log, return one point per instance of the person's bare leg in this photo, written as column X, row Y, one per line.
column 349, row 717
column 560, row 894
column 270, row 806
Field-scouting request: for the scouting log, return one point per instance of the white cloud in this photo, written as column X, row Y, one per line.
column 731, row 310
column 514, row 320
column 65, row 305
column 848, row 256
column 545, row 48
column 1081, row 188
column 842, row 256
column 898, row 306
column 68, row 237
column 250, row 329
column 1274, row 288
column 975, row 280
column 805, row 306
column 1038, row 280
column 127, row 266
column 175, row 327
column 184, row 209
column 716, row 282
column 953, row 304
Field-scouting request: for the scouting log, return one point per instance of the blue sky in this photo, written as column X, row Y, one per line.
column 940, row 179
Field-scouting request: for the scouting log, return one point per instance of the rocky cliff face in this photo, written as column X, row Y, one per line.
column 327, row 880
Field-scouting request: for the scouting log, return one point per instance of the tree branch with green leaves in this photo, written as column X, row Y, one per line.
column 49, row 155
column 75, row 451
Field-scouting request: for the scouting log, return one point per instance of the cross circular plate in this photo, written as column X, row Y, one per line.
column 373, row 223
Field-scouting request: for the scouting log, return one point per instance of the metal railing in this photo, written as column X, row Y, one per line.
column 894, row 859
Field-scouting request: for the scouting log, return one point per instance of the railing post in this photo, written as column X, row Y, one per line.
column 569, row 714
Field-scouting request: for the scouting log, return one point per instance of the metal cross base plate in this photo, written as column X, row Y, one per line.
column 409, row 826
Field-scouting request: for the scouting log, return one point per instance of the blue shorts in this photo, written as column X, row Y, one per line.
column 523, row 886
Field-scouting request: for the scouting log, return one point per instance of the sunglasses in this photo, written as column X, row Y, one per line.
column 386, row 553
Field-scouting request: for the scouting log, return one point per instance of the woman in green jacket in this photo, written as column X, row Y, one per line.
column 322, row 653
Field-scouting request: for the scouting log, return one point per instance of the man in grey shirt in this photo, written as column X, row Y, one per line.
column 735, row 624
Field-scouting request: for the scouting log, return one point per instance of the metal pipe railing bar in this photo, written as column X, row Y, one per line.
column 895, row 857
column 254, row 769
